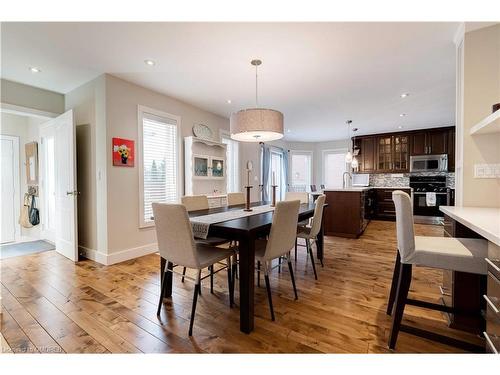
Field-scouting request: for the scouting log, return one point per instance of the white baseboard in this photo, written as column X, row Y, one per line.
column 119, row 256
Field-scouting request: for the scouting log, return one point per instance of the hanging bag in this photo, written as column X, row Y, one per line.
column 34, row 213
column 24, row 218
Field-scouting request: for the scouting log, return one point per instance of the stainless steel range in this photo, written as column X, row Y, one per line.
column 429, row 192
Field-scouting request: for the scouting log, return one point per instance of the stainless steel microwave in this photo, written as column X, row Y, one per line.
column 429, row 163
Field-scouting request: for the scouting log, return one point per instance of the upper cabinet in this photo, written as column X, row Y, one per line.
column 390, row 153
column 429, row 142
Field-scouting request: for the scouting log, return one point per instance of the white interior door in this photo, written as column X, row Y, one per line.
column 9, row 188
column 62, row 130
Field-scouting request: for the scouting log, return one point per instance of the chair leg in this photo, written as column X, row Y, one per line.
column 309, row 250
column 296, row 245
column 258, row 273
column 279, row 265
column 183, row 274
column 195, row 299
column 212, row 279
column 401, row 296
column 321, row 259
column 162, row 292
column 292, row 277
column 268, row 287
column 394, row 284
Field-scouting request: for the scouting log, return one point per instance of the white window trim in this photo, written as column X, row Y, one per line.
column 301, row 152
column 139, row 152
column 329, row 151
column 227, row 133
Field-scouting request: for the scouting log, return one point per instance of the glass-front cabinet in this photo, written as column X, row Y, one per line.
column 392, row 153
column 384, row 153
column 400, row 153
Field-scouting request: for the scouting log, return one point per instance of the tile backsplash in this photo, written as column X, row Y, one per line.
column 403, row 179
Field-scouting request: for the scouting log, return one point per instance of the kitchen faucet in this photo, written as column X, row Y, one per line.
column 344, row 183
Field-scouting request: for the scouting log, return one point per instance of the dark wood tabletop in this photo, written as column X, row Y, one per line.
column 246, row 230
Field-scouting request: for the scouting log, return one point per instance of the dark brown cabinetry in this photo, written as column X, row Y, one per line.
column 390, row 153
column 346, row 213
column 384, row 206
column 430, row 142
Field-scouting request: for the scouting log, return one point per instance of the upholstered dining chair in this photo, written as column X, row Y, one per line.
column 176, row 244
column 310, row 232
column 313, row 188
column 196, row 203
column 234, row 199
column 456, row 254
column 322, row 187
column 279, row 243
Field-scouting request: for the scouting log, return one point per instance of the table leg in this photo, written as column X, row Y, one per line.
column 247, row 270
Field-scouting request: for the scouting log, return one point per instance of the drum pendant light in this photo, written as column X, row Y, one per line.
column 256, row 124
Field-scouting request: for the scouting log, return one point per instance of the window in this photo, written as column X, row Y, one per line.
column 334, row 166
column 232, row 163
column 301, row 170
column 159, row 155
column 277, row 175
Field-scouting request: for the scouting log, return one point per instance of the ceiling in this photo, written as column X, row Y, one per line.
column 318, row 74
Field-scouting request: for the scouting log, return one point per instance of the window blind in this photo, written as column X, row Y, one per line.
column 334, row 167
column 159, row 138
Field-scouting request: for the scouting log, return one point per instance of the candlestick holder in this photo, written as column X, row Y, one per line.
column 273, row 202
column 247, row 204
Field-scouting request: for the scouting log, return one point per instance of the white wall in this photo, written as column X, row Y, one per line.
column 481, row 90
column 31, row 97
column 122, row 99
column 26, row 129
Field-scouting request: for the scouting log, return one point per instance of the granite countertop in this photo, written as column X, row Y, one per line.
column 482, row 220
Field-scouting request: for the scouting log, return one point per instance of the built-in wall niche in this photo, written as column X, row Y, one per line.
column 205, row 166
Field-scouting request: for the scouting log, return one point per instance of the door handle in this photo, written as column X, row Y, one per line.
column 74, row 192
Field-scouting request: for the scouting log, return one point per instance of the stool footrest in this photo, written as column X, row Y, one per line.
column 442, row 339
column 436, row 306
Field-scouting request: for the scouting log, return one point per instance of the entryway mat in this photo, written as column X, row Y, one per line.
column 24, row 248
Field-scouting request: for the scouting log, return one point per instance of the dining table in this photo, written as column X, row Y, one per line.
column 245, row 230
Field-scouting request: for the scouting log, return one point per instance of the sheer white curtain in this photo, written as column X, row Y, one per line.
column 334, row 166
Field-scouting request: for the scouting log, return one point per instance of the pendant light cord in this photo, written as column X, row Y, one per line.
column 256, row 87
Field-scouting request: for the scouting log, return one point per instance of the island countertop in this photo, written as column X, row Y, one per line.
column 482, row 220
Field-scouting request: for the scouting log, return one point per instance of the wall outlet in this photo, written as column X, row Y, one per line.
column 486, row 170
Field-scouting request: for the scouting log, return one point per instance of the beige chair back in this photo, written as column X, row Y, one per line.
column 318, row 215
column 404, row 224
column 195, row 202
column 303, row 197
column 175, row 235
column 234, row 199
column 283, row 230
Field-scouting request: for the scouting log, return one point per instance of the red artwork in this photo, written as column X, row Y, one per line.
column 123, row 152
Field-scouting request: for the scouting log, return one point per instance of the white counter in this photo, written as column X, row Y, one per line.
column 482, row 220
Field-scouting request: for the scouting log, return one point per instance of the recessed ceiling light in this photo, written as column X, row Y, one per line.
column 402, row 115
column 34, row 69
column 228, row 101
column 149, row 62
column 288, row 130
column 405, row 94
column 400, row 127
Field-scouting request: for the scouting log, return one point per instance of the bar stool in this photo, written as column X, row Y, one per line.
column 456, row 254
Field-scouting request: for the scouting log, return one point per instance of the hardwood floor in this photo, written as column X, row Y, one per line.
column 51, row 305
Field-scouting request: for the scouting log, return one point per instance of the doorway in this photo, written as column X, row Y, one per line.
column 10, row 188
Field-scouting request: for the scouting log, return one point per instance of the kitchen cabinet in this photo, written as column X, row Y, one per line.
column 366, row 155
column 390, row 153
column 384, row 206
column 430, row 142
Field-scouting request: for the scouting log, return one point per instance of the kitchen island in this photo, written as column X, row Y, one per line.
column 351, row 209
column 471, row 292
